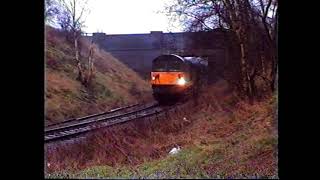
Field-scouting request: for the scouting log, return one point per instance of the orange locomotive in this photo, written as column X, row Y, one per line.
column 173, row 75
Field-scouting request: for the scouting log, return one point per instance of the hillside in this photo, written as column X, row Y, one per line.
column 114, row 84
column 220, row 137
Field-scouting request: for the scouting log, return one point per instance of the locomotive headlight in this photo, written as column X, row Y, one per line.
column 154, row 77
column 181, row 81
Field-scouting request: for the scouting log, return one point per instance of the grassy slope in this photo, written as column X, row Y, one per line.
column 114, row 84
column 222, row 139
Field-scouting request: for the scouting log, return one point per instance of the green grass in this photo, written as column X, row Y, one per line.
column 241, row 154
column 216, row 158
column 266, row 143
column 186, row 164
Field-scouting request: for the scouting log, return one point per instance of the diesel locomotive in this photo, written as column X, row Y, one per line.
column 176, row 76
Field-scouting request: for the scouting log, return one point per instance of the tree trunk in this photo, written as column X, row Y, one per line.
column 80, row 71
column 239, row 13
column 243, row 72
column 275, row 61
column 90, row 65
column 251, row 88
column 273, row 75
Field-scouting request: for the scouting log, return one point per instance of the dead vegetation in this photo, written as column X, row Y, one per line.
column 110, row 87
column 221, row 137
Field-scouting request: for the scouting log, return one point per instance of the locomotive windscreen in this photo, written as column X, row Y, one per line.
column 167, row 63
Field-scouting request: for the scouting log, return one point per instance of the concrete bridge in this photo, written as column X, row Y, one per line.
column 138, row 50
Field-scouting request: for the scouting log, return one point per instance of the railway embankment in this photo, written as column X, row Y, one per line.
column 113, row 85
column 219, row 136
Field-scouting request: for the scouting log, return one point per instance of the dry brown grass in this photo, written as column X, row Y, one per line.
column 234, row 137
column 114, row 83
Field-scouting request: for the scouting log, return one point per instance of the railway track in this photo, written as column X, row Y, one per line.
column 75, row 127
column 75, row 120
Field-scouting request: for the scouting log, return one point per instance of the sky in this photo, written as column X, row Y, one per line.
column 127, row 17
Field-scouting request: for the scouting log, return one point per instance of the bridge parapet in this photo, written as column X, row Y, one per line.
column 138, row 50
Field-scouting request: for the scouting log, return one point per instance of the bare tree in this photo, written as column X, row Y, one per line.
column 51, row 10
column 71, row 20
column 252, row 24
column 271, row 31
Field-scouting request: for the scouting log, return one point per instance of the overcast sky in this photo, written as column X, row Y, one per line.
column 127, row 17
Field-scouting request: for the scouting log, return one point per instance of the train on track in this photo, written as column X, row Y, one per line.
column 175, row 76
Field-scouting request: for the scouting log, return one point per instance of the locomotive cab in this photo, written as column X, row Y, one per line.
column 170, row 75
column 174, row 76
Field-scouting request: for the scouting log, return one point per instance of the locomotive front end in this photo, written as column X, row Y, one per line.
column 169, row 75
